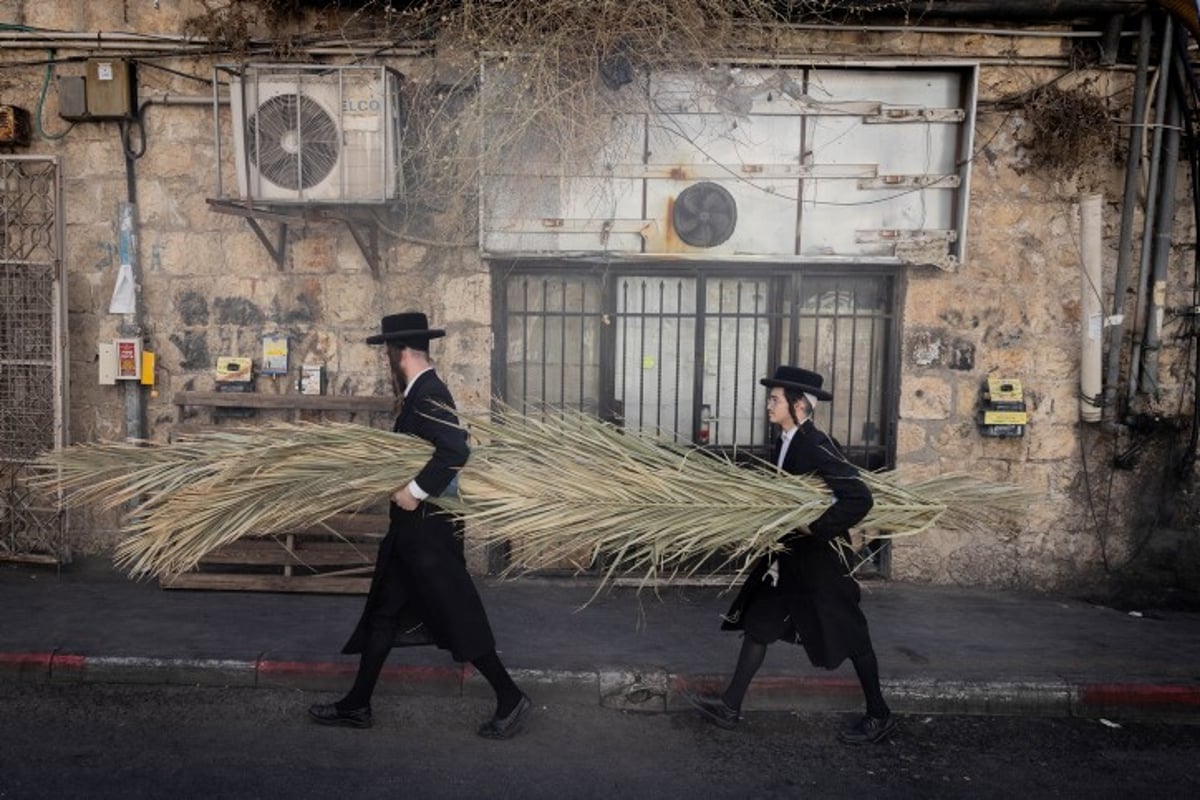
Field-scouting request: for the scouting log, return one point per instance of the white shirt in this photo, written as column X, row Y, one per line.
column 786, row 438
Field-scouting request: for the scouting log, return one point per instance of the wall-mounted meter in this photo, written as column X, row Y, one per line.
column 107, row 91
column 1003, row 412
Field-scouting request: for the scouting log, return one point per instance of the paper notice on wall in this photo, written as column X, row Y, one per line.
column 124, row 296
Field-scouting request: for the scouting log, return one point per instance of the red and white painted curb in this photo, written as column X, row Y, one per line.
column 648, row 689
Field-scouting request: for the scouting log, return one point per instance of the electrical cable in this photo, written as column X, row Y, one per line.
column 42, row 101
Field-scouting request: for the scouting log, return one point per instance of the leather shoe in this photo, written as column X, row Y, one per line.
column 714, row 710
column 330, row 714
column 510, row 726
column 869, row 730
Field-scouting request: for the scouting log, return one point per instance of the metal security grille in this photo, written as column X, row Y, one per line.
column 680, row 352
column 32, row 352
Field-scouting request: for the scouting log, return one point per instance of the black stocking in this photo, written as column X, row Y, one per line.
column 867, row 668
column 507, row 693
column 370, row 664
column 749, row 660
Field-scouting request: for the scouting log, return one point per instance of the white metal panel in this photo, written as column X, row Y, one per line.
column 823, row 163
column 837, row 214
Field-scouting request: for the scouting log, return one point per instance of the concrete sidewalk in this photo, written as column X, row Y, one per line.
column 941, row 649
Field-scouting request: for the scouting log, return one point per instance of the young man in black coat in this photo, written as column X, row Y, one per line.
column 421, row 592
column 805, row 594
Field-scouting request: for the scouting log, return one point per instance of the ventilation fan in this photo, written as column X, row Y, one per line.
column 292, row 141
column 312, row 134
column 705, row 215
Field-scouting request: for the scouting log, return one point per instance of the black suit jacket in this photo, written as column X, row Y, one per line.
column 428, row 413
column 812, row 452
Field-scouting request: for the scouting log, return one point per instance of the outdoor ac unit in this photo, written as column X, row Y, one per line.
column 317, row 134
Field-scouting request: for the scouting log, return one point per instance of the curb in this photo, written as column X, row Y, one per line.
column 649, row 690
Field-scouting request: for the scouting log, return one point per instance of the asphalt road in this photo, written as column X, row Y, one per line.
column 98, row 741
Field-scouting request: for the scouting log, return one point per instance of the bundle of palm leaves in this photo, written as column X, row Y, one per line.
column 556, row 487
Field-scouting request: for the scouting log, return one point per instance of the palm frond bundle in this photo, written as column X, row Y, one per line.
column 552, row 486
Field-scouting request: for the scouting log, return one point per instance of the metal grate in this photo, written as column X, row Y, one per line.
column 680, row 353
column 32, row 351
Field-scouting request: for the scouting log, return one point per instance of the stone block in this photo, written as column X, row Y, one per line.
column 58, row 16
column 1052, row 442
column 925, row 397
column 467, row 299
column 316, row 253
column 910, row 440
column 245, row 255
column 188, row 254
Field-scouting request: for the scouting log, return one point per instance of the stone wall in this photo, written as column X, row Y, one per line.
column 1010, row 310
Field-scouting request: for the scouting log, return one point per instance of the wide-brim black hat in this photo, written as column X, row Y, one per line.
column 411, row 328
column 798, row 378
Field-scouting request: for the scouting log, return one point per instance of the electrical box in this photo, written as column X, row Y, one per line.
column 106, row 363
column 72, row 97
column 129, row 359
column 110, row 89
column 14, row 125
column 234, row 375
column 1003, row 413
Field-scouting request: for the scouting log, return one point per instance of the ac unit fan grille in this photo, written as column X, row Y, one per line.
column 705, row 215
column 293, row 141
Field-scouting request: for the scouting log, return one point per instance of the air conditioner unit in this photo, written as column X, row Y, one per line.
column 317, row 134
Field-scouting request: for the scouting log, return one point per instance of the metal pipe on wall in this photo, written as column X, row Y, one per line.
column 1152, row 173
column 1163, row 224
column 1091, row 226
column 1137, row 137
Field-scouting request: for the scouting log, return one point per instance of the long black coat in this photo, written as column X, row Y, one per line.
column 421, row 590
column 814, row 591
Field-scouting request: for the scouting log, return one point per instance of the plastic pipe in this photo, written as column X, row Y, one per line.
column 1091, row 314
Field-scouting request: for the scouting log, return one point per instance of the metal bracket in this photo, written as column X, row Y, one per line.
column 363, row 229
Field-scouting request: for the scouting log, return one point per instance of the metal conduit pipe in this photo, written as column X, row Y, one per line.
column 1163, row 224
column 1152, row 173
column 1137, row 135
column 1091, row 229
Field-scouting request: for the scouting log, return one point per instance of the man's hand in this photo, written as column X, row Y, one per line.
column 403, row 498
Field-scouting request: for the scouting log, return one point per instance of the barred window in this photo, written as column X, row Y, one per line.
column 680, row 351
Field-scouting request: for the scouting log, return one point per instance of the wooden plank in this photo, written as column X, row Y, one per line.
column 302, row 402
column 273, row 554
column 314, row 584
column 341, row 554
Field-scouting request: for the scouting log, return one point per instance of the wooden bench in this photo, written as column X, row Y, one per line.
column 297, row 404
column 337, row 558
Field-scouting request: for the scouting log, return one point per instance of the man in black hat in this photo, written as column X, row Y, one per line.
column 805, row 594
column 421, row 592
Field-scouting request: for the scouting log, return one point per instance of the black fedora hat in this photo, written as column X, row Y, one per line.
column 797, row 378
column 409, row 328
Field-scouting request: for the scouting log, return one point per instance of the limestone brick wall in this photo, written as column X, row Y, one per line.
column 1011, row 309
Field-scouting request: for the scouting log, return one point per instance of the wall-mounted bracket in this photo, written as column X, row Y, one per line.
column 364, row 227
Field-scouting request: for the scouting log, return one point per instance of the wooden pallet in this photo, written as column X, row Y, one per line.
column 337, row 559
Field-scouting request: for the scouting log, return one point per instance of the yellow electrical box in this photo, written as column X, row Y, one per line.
column 147, row 368
column 1003, row 408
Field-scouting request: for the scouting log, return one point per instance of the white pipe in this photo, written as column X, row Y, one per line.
column 1090, row 314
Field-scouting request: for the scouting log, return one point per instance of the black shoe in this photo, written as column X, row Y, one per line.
column 714, row 710
column 330, row 714
column 869, row 730
column 510, row 726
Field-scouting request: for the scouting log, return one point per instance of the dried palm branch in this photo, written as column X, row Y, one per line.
column 552, row 487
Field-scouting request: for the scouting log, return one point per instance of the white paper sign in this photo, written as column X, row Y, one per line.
column 124, row 296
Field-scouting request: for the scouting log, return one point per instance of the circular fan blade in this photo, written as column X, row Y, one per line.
column 705, row 215
column 293, row 141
